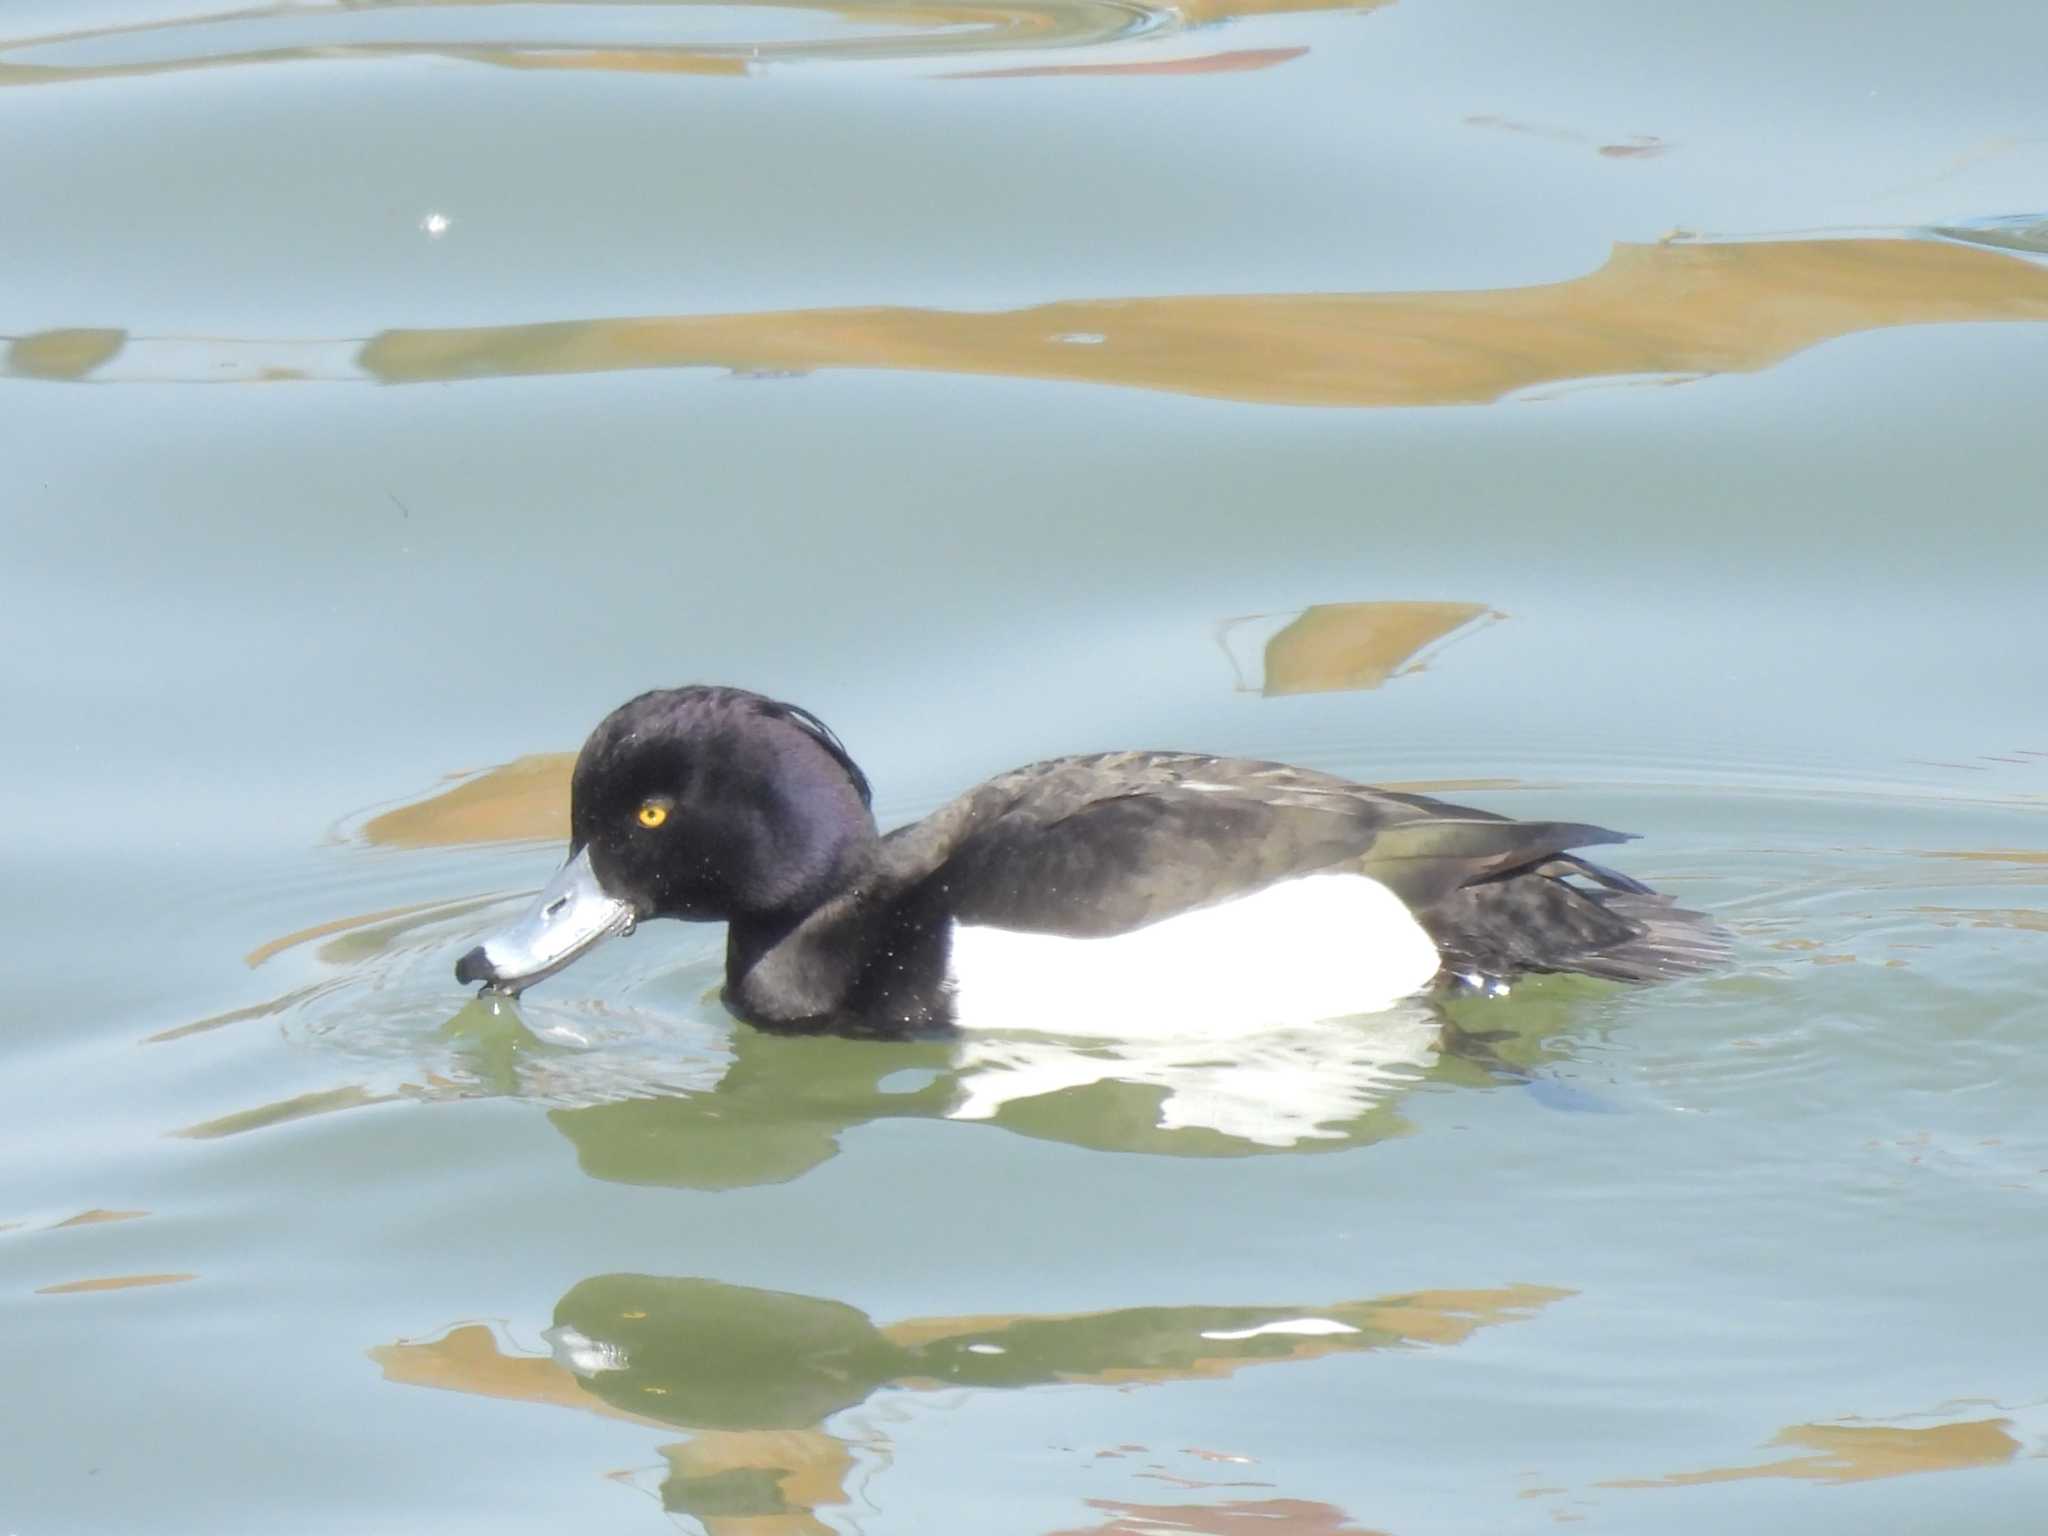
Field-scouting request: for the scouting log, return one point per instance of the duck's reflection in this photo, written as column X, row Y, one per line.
column 739, row 1108
column 755, row 1375
column 784, row 1103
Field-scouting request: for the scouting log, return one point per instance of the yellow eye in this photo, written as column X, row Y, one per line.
column 653, row 813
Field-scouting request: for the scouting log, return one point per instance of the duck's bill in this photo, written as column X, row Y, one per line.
column 573, row 914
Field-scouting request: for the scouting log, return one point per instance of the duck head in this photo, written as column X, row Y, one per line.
column 705, row 804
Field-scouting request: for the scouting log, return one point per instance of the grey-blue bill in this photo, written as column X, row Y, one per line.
column 573, row 913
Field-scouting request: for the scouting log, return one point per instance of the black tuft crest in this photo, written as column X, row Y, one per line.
column 827, row 738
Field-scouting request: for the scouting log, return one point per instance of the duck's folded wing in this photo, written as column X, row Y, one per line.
column 1120, row 860
column 1424, row 859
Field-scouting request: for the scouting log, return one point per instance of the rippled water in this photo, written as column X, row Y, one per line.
column 1585, row 411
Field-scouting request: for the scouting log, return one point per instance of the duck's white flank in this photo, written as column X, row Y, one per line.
column 1316, row 947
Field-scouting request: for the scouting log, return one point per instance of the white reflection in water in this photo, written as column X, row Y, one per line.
column 576, row 1351
column 1273, row 1089
column 1308, row 1327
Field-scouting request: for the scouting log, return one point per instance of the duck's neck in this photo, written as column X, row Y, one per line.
column 788, row 967
column 796, row 917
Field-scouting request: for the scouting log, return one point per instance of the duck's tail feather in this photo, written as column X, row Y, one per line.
column 1671, row 941
column 1570, row 914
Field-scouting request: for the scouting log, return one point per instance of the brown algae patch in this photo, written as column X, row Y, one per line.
column 111, row 1283
column 95, row 1216
column 263, row 1116
column 1856, row 1453
column 526, row 799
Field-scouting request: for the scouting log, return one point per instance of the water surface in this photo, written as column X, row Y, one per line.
column 1591, row 413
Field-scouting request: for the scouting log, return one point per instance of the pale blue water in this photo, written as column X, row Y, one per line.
column 1761, row 507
